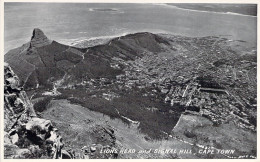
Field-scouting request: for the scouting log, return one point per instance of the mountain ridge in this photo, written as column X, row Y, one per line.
column 44, row 53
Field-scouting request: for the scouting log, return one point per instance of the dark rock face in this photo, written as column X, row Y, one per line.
column 39, row 39
column 14, row 107
column 26, row 135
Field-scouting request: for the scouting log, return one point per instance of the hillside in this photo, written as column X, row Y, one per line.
column 154, row 83
column 45, row 59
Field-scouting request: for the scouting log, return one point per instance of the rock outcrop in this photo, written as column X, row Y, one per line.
column 39, row 39
column 26, row 135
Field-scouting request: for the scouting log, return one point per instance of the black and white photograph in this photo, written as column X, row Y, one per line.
column 88, row 80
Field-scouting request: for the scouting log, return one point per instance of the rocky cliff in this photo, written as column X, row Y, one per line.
column 26, row 135
column 39, row 39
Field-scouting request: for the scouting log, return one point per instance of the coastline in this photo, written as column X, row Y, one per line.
column 177, row 21
column 198, row 10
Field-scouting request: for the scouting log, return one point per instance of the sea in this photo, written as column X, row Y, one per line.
column 75, row 22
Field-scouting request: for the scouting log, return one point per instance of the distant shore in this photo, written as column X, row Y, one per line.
column 235, row 9
column 108, row 20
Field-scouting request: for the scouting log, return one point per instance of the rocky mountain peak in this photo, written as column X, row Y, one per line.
column 39, row 39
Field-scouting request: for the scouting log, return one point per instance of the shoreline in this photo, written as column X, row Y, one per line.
column 204, row 11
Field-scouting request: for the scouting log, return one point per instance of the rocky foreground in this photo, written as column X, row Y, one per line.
column 26, row 135
column 195, row 95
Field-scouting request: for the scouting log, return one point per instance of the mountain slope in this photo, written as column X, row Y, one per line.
column 50, row 59
column 157, row 83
